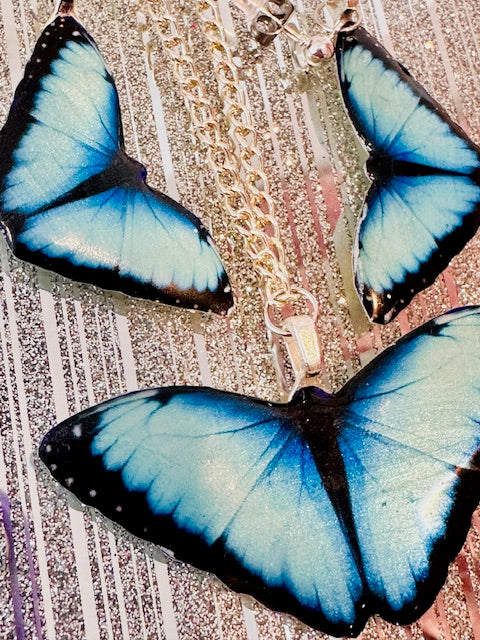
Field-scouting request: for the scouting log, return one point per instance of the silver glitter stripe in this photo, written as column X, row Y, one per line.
column 62, row 411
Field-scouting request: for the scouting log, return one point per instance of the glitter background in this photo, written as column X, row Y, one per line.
column 67, row 574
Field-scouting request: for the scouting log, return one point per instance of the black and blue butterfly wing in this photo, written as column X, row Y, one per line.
column 409, row 224
column 72, row 201
column 412, row 225
column 227, row 483
column 330, row 508
column 409, row 435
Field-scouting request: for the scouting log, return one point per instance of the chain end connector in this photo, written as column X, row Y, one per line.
column 303, row 345
column 266, row 18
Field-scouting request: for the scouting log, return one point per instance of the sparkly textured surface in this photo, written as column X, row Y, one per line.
column 65, row 572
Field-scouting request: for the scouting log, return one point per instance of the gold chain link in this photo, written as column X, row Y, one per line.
column 264, row 244
column 239, row 177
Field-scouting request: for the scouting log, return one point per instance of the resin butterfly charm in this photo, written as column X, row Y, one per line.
column 72, row 200
column 330, row 507
column 424, row 202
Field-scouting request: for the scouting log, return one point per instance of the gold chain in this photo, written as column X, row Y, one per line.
column 265, row 248
column 239, row 176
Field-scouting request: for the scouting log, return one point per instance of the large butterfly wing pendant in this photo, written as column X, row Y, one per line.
column 331, row 508
column 424, row 202
column 72, row 200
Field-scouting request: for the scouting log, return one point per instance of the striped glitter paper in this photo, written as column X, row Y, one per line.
column 66, row 573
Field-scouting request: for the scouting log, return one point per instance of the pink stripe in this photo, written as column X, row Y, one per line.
column 315, row 216
column 451, row 287
column 330, row 197
column 403, row 322
column 472, row 605
column 442, row 616
column 429, row 625
column 295, row 241
column 475, row 569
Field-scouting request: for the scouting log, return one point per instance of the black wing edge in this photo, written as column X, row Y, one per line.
column 383, row 308
column 467, row 497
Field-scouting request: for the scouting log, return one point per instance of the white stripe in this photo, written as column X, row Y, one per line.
column 24, row 22
column 153, row 591
column 103, row 582
column 101, row 352
column 71, row 357
column 250, row 624
column 159, row 116
column 226, row 16
column 166, row 601
column 288, row 633
column 279, row 157
column 127, row 85
column 79, row 537
column 118, row 586
column 126, row 352
column 205, row 373
column 218, row 616
column 452, row 85
column 139, row 593
column 383, row 30
column 84, row 351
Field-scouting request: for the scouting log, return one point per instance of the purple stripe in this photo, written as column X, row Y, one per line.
column 12, row 566
column 33, row 581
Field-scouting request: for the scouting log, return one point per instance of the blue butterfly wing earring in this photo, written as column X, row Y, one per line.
column 72, row 201
column 330, row 507
column 424, row 203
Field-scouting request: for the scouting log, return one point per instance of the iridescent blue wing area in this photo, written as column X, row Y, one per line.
column 182, row 263
column 418, row 156
column 227, row 483
column 72, row 201
column 409, row 435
